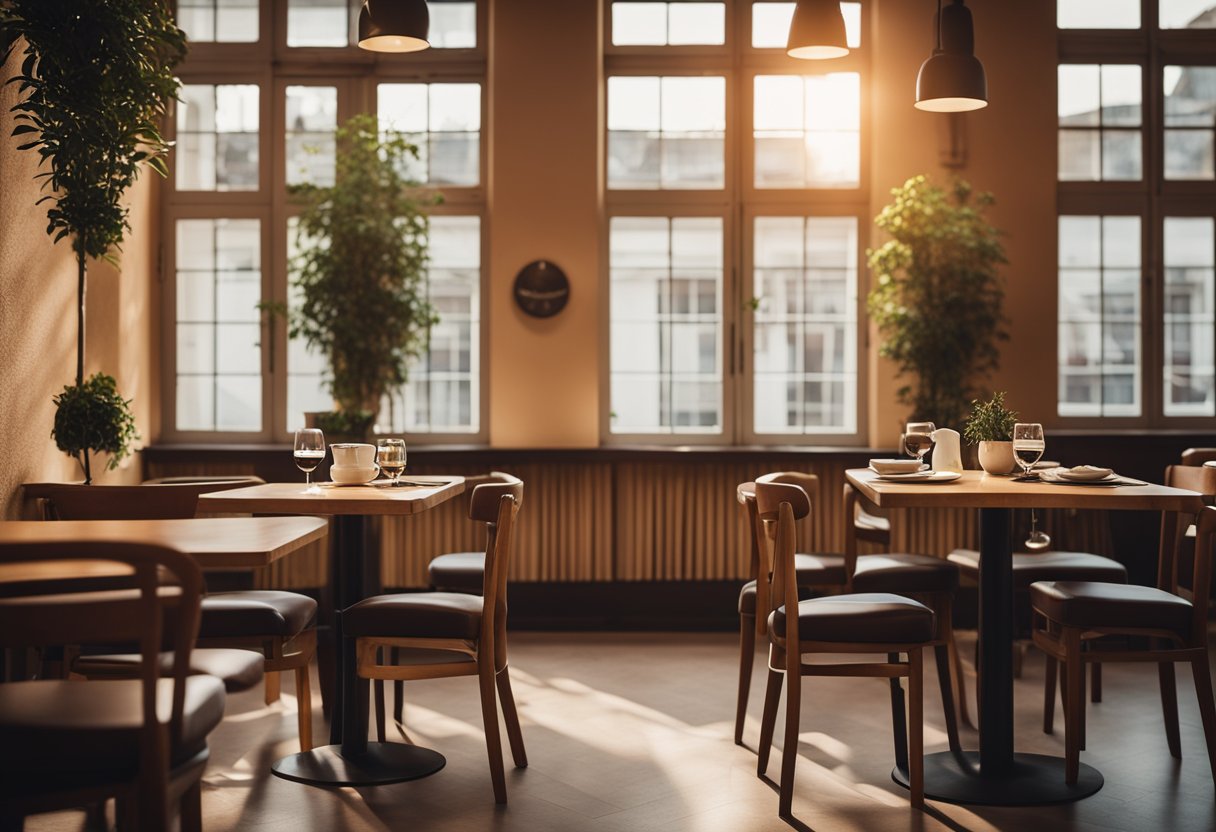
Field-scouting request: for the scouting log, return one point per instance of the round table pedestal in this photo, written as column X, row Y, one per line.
column 1032, row 780
column 381, row 764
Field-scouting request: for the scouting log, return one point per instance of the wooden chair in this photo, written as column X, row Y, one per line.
column 1198, row 456
column 276, row 624
column 931, row 579
column 67, row 743
column 443, row 634
column 1071, row 615
column 879, row 623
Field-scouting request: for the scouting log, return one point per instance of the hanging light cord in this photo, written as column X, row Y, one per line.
column 938, row 50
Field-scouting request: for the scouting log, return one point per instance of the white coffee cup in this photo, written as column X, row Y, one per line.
column 353, row 455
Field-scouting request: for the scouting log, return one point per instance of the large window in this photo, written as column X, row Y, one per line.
column 1137, row 197
column 264, row 90
column 735, row 189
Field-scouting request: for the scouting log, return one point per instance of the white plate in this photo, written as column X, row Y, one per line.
column 921, row 476
column 1085, row 473
column 1044, row 463
column 344, row 484
column 896, row 466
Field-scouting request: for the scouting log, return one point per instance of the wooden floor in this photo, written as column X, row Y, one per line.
column 628, row 733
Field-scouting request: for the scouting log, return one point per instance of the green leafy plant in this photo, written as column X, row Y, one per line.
column 937, row 295
column 990, row 421
column 93, row 86
column 92, row 416
column 361, row 268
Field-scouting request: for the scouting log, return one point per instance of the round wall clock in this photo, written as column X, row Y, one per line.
column 541, row 289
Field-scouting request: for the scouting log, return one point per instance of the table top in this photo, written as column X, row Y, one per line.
column 291, row 498
column 976, row 489
column 215, row 542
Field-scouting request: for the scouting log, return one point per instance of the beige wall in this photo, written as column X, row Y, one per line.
column 544, row 383
column 544, row 386
column 38, row 321
column 1011, row 148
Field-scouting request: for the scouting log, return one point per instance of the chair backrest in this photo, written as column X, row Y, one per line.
column 150, row 501
column 760, row 562
column 157, row 609
column 496, row 504
column 779, row 504
column 1173, row 553
column 1198, row 456
column 1205, row 542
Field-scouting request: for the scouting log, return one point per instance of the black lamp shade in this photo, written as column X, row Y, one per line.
column 953, row 79
column 394, row 25
column 817, row 31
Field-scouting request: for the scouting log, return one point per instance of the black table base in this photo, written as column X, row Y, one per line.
column 380, row 764
column 1029, row 780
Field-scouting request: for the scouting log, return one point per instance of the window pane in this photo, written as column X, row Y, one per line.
column 453, row 24
column 805, row 342
column 1099, row 316
column 1190, row 112
column 666, row 133
column 306, row 368
column 444, row 120
column 312, row 117
column 443, row 394
column 807, row 131
column 1100, row 113
column 222, row 21
column 1190, row 325
column 217, row 137
column 1187, row 14
column 668, row 24
column 318, row 23
column 1098, row 14
column 771, row 24
column 218, row 282
column 665, row 295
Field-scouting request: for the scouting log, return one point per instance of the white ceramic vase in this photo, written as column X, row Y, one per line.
column 996, row 457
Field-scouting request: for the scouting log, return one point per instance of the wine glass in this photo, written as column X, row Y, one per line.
column 918, row 439
column 390, row 454
column 1028, row 447
column 309, row 450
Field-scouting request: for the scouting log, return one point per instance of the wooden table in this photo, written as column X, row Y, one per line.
column 349, row 759
column 215, row 542
column 996, row 775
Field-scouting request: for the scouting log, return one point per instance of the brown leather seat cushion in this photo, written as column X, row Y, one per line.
column 458, row 571
column 811, row 570
column 871, row 617
column 415, row 615
column 73, row 729
column 904, row 573
column 255, row 613
column 1047, row 566
column 1096, row 604
column 237, row 669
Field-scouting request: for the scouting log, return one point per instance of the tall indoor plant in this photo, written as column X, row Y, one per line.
column 95, row 81
column 361, row 270
column 937, row 295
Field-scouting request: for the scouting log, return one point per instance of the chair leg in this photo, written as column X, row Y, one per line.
column 946, row 679
column 1207, row 706
column 1049, row 695
column 789, row 751
column 960, row 680
column 1169, row 707
column 772, row 696
column 747, row 657
column 1074, row 704
column 192, row 808
column 272, row 687
column 1095, row 682
column 916, row 728
column 489, row 717
column 514, row 735
column 398, row 694
column 304, row 707
column 899, row 723
column 378, row 695
column 1082, row 715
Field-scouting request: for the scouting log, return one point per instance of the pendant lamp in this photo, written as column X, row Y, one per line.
column 952, row 80
column 394, row 25
column 817, row 31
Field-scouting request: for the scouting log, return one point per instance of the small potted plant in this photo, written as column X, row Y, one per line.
column 990, row 426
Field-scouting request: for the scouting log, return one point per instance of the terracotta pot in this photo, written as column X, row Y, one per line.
column 997, row 457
